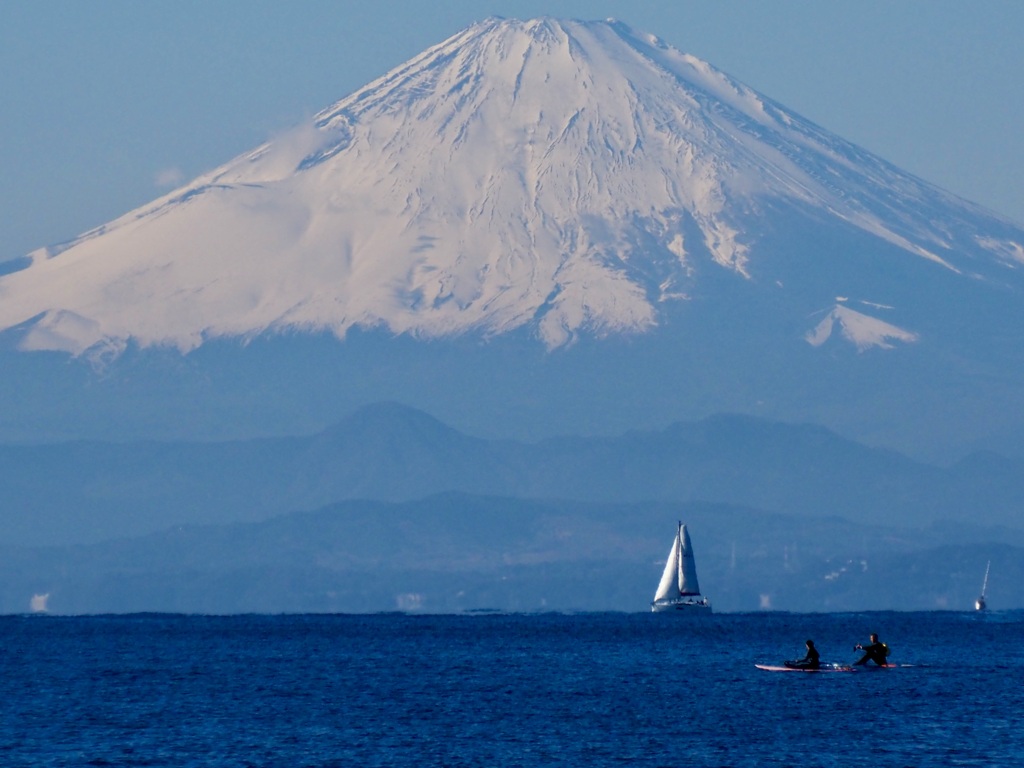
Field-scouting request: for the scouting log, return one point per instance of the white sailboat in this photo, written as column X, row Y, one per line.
column 678, row 589
column 979, row 604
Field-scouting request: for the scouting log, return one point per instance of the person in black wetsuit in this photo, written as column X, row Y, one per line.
column 876, row 652
column 810, row 661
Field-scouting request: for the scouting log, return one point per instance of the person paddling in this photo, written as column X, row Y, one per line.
column 809, row 661
column 876, row 652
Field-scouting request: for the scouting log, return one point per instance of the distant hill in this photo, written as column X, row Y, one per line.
column 458, row 552
column 89, row 491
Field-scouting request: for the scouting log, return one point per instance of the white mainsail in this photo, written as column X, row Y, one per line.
column 687, row 565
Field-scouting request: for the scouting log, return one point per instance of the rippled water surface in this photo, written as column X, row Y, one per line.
column 489, row 690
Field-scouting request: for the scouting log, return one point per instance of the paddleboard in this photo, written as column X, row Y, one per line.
column 822, row 668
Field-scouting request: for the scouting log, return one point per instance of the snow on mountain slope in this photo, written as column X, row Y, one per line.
column 862, row 330
column 571, row 176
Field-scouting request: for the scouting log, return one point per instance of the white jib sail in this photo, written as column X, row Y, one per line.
column 667, row 587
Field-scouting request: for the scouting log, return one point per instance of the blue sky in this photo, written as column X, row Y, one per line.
column 106, row 103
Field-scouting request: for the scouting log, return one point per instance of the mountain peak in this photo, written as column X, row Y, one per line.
column 566, row 176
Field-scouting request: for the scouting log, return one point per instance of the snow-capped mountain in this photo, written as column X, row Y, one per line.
column 571, row 178
column 534, row 228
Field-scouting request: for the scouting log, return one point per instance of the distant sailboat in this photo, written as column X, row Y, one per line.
column 678, row 589
column 979, row 604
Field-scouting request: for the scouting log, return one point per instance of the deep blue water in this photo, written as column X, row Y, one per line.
column 496, row 690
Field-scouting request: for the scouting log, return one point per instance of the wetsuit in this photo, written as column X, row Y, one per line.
column 810, row 661
column 875, row 652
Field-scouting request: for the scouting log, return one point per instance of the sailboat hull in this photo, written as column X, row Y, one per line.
column 685, row 605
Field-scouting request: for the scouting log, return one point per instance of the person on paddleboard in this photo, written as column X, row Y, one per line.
column 810, row 661
column 876, row 652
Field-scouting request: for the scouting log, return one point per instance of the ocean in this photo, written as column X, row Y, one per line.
column 508, row 690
